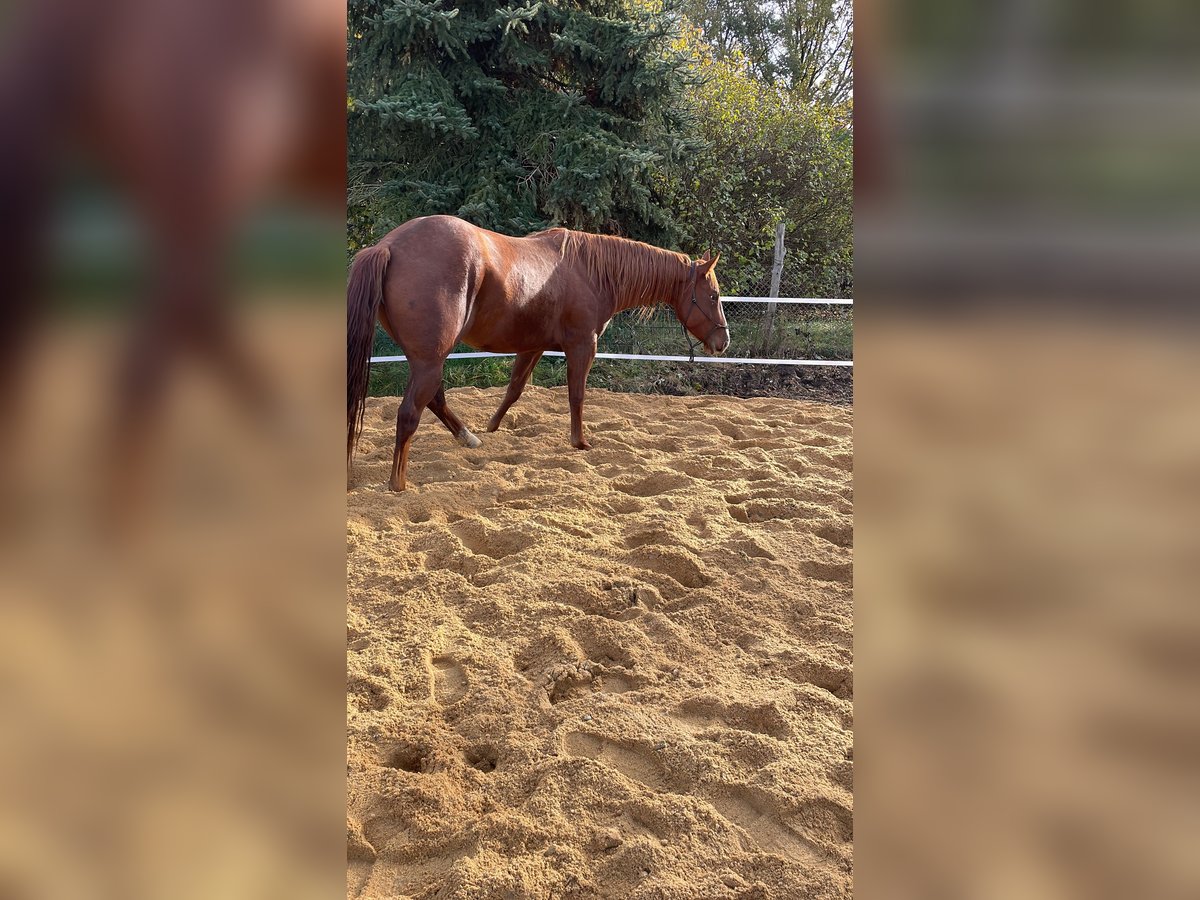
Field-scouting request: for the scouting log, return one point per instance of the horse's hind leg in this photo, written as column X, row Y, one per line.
column 424, row 382
column 460, row 431
column 521, row 370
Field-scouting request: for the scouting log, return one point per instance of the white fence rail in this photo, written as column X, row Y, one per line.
column 812, row 301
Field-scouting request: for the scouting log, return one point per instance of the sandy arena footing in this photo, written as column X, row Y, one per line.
column 621, row 673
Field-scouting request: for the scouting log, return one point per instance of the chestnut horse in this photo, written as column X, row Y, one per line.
column 437, row 280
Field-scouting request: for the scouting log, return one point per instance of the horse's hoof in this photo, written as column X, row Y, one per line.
column 582, row 445
column 468, row 440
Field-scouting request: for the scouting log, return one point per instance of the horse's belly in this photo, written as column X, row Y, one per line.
column 499, row 346
column 514, row 336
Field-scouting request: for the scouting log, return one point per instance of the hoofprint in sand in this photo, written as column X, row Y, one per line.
column 619, row 673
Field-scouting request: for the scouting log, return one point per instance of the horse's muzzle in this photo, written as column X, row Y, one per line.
column 720, row 340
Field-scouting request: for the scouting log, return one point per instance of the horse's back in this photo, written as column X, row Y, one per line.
column 439, row 253
column 429, row 232
column 448, row 248
column 503, row 294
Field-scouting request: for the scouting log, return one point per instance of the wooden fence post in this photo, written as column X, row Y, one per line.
column 776, row 274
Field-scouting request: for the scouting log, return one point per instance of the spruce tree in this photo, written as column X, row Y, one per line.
column 516, row 117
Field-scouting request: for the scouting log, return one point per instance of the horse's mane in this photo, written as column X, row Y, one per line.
column 628, row 271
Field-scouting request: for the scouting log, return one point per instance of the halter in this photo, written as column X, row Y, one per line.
column 687, row 335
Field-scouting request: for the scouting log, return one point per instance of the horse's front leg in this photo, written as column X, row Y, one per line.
column 579, row 362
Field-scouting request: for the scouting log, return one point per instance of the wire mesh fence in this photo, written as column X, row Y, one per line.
column 788, row 332
column 759, row 329
column 800, row 350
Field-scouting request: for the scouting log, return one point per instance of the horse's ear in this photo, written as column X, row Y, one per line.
column 707, row 262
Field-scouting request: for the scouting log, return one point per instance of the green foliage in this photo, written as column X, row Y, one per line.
column 769, row 156
column 803, row 46
column 515, row 118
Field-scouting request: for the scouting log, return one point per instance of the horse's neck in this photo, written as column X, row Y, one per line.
column 666, row 274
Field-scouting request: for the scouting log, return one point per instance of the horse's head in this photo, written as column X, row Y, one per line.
column 699, row 306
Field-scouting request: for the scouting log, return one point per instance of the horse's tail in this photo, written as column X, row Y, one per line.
column 364, row 293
